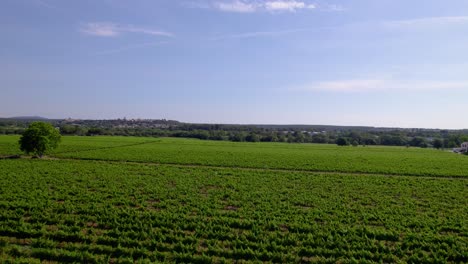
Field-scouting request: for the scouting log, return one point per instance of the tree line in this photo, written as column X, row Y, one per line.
column 251, row 133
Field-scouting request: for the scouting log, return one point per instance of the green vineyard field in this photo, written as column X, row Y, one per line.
column 305, row 157
column 146, row 200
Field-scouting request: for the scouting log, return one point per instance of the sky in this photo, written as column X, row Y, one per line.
column 387, row 63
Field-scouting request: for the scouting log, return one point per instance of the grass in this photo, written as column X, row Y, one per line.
column 106, row 210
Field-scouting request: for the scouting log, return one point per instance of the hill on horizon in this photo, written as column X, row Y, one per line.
column 28, row 118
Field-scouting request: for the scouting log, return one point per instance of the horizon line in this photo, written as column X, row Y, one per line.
column 38, row 118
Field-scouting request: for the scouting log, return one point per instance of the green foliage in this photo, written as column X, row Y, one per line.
column 342, row 142
column 310, row 157
column 393, row 140
column 418, row 142
column 252, row 137
column 39, row 138
column 110, row 212
column 253, row 133
column 237, row 136
column 181, row 200
column 438, row 143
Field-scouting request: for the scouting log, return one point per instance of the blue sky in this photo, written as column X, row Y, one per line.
column 356, row 62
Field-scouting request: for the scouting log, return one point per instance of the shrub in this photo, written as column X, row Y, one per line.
column 39, row 138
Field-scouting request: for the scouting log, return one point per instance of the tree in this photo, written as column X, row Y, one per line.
column 418, row 142
column 342, row 142
column 392, row 140
column 237, row 136
column 355, row 136
column 252, row 137
column 369, row 141
column 93, row 131
column 438, row 144
column 39, row 138
column 319, row 138
column 68, row 129
column 298, row 137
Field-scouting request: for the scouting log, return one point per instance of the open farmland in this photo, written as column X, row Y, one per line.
column 301, row 157
column 9, row 145
column 117, row 199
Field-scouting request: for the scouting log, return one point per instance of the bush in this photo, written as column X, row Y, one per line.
column 39, row 138
column 342, row 142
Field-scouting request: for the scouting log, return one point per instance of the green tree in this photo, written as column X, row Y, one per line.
column 252, row 137
column 39, row 138
column 298, row 137
column 342, row 142
column 418, row 142
column 438, row 143
column 237, row 137
column 319, row 138
column 393, row 140
column 68, row 129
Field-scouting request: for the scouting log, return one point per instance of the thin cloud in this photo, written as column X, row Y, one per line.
column 290, row 6
column 333, row 8
column 235, row 6
column 100, row 29
column 256, row 34
column 45, row 4
column 131, row 47
column 106, row 29
column 428, row 22
column 251, row 6
column 377, row 85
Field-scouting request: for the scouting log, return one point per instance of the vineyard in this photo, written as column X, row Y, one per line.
column 146, row 200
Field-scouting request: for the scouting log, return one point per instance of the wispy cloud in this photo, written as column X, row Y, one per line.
column 377, row 85
column 256, row 34
column 290, row 6
column 251, row 6
column 131, row 47
column 431, row 23
column 427, row 22
column 236, row 6
column 106, row 29
column 45, row 4
column 333, row 8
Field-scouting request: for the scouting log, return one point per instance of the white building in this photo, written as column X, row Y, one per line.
column 463, row 149
column 464, row 146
